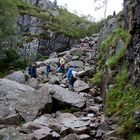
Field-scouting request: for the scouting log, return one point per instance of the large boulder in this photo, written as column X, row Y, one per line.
column 37, row 103
column 23, row 99
column 17, row 76
column 76, row 64
column 65, row 96
column 68, row 58
column 52, row 60
column 80, row 86
column 88, row 71
column 64, row 53
column 75, row 51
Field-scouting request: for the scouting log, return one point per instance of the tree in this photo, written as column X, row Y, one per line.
column 8, row 14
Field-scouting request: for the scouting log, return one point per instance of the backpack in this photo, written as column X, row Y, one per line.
column 69, row 73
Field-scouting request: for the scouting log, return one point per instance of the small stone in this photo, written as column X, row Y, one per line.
column 94, row 125
column 71, row 137
column 92, row 133
column 104, row 126
column 99, row 134
column 91, row 115
column 85, row 137
column 98, row 100
column 81, row 130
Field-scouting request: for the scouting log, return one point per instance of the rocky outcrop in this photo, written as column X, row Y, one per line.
column 38, row 38
column 131, row 9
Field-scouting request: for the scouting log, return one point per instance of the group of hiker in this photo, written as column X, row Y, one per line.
column 71, row 73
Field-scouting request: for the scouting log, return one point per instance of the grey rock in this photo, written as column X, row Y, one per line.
column 65, row 96
column 114, row 126
column 80, row 130
column 64, row 131
column 71, row 137
column 10, row 94
column 22, row 98
column 92, row 133
column 75, row 51
column 76, row 64
column 53, row 55
column 99, row 133
column 17, row 76
column 94, row 92
column 94, row 109
column 75, row 57
column 39, row 123
column 85, row 137
column 52, row 60
column 80, row 86
column 104, row 126
column 11, row 133
column 109, row 134
column 70, row 121
column 68, row 58
column 11, row 120
column 34, row 104
column 33, row 83
column 91, row 115
column 40, row 70
column 53, row 80
column 88, row 71
column 98, row 100
column 55, row 125
column 45, row 133
column 64, row 53
column 94, row 125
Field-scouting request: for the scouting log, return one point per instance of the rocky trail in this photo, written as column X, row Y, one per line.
column 45, row 109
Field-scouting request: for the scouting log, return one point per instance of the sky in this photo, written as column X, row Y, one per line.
column 86, row 7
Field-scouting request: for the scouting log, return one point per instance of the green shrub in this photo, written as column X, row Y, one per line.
column 112, row 40
column 97, row 78
column 8, row 15
column 114, row 60
column 122, row 99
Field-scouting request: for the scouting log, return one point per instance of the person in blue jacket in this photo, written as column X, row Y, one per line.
column 48, row 70
column 72, row 76
column 33, row 71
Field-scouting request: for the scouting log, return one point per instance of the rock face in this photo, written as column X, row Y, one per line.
column 65, row 96
column 23, row 99
column 30, row 26
column 132, row 23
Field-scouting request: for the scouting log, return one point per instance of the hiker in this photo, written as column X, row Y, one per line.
column 48, row 70
column 33, row 71
column 72, row 76
column 61, row 66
